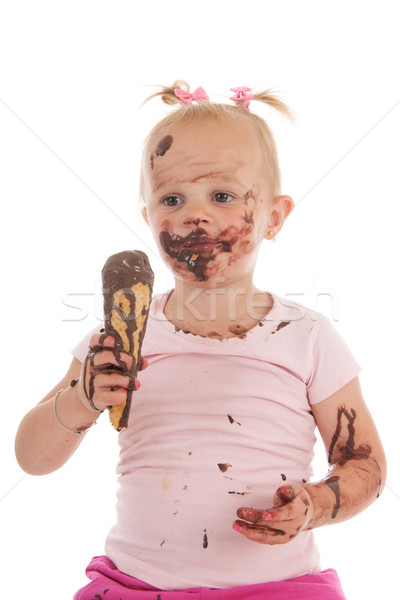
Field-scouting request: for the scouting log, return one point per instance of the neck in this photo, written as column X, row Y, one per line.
column 218, row 310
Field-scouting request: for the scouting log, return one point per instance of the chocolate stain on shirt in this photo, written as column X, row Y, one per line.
column 177, row 329
column 281, row 325
column 232, row 420
column 223, row 467
column 205, row 539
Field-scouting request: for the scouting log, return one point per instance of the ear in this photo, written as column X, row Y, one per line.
column 144, row 215
column 282, row 206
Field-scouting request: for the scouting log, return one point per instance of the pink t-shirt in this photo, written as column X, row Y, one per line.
column 217, row 425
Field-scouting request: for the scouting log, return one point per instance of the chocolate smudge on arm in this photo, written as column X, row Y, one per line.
column 347, row 452
column 333, row 484
column 351, row 418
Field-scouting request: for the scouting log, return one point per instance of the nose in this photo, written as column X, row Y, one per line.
column 194, row 221
column 196, row 213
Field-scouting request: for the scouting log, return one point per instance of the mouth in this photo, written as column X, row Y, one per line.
column 201, row 245
column 198, row 250
column 196, row 241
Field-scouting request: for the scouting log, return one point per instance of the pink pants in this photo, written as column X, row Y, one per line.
column 108, row 583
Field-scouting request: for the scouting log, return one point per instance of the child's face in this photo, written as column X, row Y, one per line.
column 208, row 201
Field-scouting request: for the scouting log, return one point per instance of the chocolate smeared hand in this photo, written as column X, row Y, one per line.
column 127, row 289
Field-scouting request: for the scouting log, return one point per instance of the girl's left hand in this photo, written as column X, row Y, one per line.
column 290, row 515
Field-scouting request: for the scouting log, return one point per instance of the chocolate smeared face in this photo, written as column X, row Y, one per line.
column 208, row 200
column 197, row 250
column 162, row 147
column 206, row 255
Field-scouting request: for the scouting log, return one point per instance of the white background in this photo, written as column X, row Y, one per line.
column 72, row 76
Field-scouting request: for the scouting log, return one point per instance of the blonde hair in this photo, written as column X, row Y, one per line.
column 224, row 113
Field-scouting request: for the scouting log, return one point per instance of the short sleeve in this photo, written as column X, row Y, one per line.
column 80, row 351
column 333, row 364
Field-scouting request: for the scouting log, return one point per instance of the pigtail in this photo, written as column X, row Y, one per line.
column 167, row 93
column 269, row 97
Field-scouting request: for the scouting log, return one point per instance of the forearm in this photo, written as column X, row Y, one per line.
column 346, row 491
column 42, row 445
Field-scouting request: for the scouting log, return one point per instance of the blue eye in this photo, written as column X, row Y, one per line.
column 222, row 197
column 171, row 201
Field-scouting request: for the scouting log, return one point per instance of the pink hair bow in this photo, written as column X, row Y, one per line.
column 242, row 96
column 198, row 95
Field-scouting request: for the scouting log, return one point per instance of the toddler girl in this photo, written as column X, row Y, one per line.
column 215, row 498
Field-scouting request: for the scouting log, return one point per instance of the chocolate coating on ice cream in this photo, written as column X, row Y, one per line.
column 122, row 271
column 127, row 289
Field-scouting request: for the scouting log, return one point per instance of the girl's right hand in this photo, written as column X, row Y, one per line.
column 104, row 374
